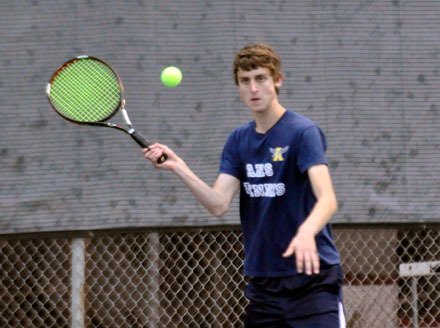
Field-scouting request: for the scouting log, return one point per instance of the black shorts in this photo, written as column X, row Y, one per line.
column 298, row 301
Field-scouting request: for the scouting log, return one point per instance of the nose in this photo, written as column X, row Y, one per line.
column 253, row 86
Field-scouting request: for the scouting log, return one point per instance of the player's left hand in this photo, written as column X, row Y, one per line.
column 303, row 245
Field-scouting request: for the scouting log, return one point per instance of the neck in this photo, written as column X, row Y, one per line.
column 267, row 119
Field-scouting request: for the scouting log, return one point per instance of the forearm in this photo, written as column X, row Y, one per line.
column 215, row 199
column 326, row 204
column 324, row 209
column 207, row 196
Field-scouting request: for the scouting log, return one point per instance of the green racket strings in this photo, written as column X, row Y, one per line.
column 86, row 90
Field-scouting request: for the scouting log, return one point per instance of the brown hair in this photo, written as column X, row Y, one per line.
column 258, row 55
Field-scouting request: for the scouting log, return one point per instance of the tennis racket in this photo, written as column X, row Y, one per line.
column 88, row 91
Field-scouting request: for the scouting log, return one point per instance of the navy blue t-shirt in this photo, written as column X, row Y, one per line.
column 275, row 193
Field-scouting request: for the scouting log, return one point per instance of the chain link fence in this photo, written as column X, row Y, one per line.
column 193, row 278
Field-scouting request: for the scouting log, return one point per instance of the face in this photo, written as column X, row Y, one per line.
column 257, row 89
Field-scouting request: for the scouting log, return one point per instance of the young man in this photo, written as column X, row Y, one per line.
column 278, row 163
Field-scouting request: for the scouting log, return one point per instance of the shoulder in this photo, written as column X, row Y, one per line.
column 242, row 130
column 298, row 121
column 296, row 126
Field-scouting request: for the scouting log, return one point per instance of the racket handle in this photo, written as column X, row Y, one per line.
column 144, row 143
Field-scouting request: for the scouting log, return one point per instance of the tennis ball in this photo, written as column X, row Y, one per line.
column 171, row 76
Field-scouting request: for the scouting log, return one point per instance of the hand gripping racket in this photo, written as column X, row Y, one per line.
column 88, row 91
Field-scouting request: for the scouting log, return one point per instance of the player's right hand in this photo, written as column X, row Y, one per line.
column 156, row 151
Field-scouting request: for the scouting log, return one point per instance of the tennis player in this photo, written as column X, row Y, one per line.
column 278, row 163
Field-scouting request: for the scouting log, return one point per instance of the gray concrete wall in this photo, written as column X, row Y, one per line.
column 366, row 71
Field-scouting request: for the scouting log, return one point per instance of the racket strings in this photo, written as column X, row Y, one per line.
column 86, row 90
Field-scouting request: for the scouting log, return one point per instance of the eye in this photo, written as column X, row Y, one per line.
column 244, row 80
column 261, row 78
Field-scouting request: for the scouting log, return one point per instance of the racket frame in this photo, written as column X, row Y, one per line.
column 139, row 138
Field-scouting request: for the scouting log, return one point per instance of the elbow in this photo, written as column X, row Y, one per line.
column 219, row 211
column 330, row 203
column 334, row 206
column 335, row 209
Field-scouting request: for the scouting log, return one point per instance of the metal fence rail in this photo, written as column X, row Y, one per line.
column 194, row 278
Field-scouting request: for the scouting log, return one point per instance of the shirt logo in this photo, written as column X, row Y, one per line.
column 277, row 153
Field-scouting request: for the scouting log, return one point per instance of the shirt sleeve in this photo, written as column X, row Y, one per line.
column 229, row 161
column 312, row 148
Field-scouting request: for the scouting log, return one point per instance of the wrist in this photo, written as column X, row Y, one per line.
column 307, row 228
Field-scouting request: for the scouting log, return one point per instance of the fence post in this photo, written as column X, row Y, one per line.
column 414, row 271
column 78, row 281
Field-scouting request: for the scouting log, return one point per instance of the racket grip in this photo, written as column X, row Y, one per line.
column 144, row 143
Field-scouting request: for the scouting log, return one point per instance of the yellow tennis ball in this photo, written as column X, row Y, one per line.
column 171, row 76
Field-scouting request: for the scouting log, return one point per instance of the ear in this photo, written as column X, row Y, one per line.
column 279, row 81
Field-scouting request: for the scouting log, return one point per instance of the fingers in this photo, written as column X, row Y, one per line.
column 308, row 262
column 154, row 152
column 306, row 257
column 290, row 250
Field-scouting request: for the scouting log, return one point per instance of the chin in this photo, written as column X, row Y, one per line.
column 256, row 106
column 258, row 109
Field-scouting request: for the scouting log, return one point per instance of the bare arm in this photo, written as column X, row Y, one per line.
column 215, row 199
column 303, row 245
